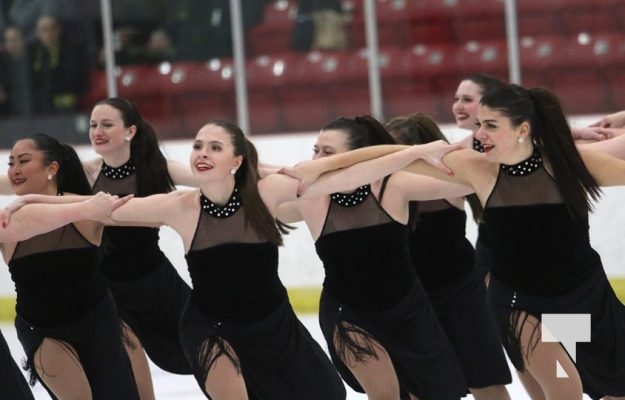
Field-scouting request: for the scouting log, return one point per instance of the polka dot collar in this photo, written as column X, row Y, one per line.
column 524, row 167
column 121, row 172
column 233, row 204
column 352, row 199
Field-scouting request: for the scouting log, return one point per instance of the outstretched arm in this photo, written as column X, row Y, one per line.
column 369, row 171
column 280, row 188
column 35, row 219
column 606, row 169
column 308, row 171
column 154, row 210
column 614, row 146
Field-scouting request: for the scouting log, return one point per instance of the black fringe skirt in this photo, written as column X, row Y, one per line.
column 600, row 362
column 151, row 306
column 422, row 356
column 277, row 356
column 97, row 340
column 465, row 315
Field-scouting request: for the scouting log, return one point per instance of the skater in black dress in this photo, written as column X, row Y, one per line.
column 23, row 224
column 537, row 190
column 148, row 291
column 445, row 263
column 238, row 329
column 66, row 320
column 382, row 333
column 466, row 101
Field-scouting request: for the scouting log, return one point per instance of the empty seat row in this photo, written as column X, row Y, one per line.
column 287, row 92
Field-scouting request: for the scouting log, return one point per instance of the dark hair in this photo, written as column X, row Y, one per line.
column 361, row 131
column 246, row 179
column 412, row 129
column 552, row 134
column 150, row 163
column 415, row 128
column 71, row 176
column 486, row 82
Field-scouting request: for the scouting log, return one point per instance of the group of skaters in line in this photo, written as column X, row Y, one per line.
column 410, row 309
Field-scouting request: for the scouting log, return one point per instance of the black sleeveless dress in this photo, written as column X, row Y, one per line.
column 62, row 296
column 148, row 291
column 445, row 263
column 371, row 288
column 546, row 265
column 238, row 298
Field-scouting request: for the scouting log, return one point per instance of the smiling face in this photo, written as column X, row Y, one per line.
column 212, row 157
column 27, row 170
column 500, row 139
column 329, row 142
column 466, row 101
column 107, row 131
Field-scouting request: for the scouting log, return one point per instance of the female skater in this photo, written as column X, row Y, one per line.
column 66, row 319
column 445, row 262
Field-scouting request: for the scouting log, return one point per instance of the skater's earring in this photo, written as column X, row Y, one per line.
column 233, row 171
column 520, row 139
column 50, row 177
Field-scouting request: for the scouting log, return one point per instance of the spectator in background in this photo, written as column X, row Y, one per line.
column 159, row 47
column 15, row 89
column 25, row 14
column 201, row 29
column 57, row 68
column 319, row 25
column 129, row 45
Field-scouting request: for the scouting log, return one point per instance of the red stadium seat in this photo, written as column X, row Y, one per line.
column 407, row 96
column 479, row 20
column 402, row 93
column 200, row 91
column 350, row 95
column 537, row 18
column 305, row 97
column 432, row 61
column 393, row 24
column 483, row 57
column 273, row 35
column 616, row 88
column 191, row 77
column 580, row 92
column 596, row 50
column 587, row 16
column 539, row 55
column 430, row 21
column 266, row 76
